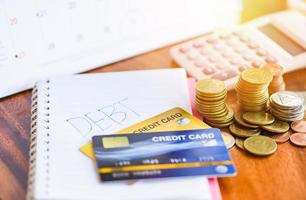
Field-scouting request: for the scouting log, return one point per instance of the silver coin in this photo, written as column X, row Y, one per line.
column 287, row 109
column 286, row 99
column 303, row 96
column 287, row 114
column 229, row 140
column 288, row 119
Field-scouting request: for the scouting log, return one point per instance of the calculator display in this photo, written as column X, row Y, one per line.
column 282, row 39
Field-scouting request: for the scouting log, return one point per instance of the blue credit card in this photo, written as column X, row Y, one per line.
column 162, row 154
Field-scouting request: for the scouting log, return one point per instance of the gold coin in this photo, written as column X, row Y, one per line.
column 277, row 127
column 257, row 76
column 218, row 112
column 253, row 108
column 210, row 107
column 205, row 104
column 258, row 95
column 239, row 142
column 258, row 118
column 260, row 145
column 210, row 86
column 240, row 121
column 211, row 95
column 214, row 115
column 241, row 131
column 255, row 97
column 250, row 89
column 229, row 122
column 224, row 118
column 210, row 99
column 218, row 125
column 253, row 103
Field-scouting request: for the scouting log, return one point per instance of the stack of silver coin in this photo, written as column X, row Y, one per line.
column 287, row 106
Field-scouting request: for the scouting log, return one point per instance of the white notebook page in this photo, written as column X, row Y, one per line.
column 86, row 105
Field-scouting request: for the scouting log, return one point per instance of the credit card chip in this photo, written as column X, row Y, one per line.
column 115, row 142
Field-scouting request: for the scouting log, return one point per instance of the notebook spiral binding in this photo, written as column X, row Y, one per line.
column 43, row 122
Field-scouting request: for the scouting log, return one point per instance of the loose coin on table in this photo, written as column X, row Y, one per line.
column 258, row 118
column 298, row 139
column 239, row 142
column 241, row 131
column 299, row 126
column 277, row 127
column 229, row 140
column 281, row 137
column 260, row 145
column 240, row 121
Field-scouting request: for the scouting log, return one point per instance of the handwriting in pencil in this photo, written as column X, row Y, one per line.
column 103, row 118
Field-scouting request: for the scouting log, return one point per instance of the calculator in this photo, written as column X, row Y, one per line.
column 224, row 54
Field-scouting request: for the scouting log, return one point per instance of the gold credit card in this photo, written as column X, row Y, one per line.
column 175, row 119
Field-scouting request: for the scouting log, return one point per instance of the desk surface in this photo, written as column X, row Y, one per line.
column 280, row 176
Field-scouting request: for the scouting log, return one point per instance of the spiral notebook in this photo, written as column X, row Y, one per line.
column 68, row 110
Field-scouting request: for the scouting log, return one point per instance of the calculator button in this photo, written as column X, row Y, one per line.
column 233, row 42
column 184, row 49
column 253, row 45
column 213, row 58
column 197, row 44
column 192, row 54
column 257, row 63
column 262, row 52
column 201, row 63
column 249, row 56
column 230, row 37
column 219, row 47
column 221, row 66
column 270, row 59
column 237, row 33
column 208, row 70
column 244, row 38
column 240, row 48
column 227, row 53
column 225, row 75
column 212, row 39
column 241, row 68
column 235, row 61
column 205, row 51
column 225, row 36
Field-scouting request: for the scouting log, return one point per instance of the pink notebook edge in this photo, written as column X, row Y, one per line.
column 213, row 182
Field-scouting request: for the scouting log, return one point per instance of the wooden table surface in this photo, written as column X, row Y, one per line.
column 281, row 176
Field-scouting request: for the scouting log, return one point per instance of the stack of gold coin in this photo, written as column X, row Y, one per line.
column 277, row 83
column 210, row 102
column 252, row 89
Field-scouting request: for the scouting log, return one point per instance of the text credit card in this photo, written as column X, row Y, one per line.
column 171, row 120
column 162, row 154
